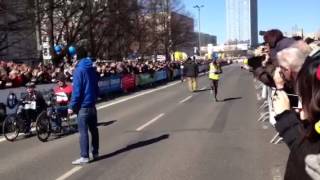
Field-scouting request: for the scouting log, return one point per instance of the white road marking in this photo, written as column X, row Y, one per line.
column 20, row 134
column 135, row 96
column 185, row 99
column 276, row 173
column 69, row 173
column 150, row 122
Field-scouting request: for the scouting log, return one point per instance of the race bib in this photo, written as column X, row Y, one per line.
column 30, row 105
column 62, row 97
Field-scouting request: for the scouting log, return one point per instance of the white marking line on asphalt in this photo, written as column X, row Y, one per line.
column 4, row 139
column 135, row 96
column 276, row 173
column 185, row 99
column 150, row 122
column 69, row 173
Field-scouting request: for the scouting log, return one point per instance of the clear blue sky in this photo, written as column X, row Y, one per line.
column 281, row 14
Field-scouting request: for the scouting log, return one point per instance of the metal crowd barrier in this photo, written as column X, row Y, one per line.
column 266, row 110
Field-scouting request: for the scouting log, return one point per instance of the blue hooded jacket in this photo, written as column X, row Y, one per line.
column 85, row 86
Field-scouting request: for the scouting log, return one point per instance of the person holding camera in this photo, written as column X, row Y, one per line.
column 300, row 131
column 214, row 75
column 279, row 52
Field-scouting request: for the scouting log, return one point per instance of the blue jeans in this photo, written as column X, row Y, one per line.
column 87, row 119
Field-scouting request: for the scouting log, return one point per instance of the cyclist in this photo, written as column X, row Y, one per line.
column 63, row 93
column 34, row 104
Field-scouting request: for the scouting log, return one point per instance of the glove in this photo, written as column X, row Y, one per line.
column 313, row 166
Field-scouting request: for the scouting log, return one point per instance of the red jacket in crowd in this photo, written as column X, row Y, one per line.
column 63, row 94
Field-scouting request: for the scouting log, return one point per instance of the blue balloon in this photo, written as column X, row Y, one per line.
column 72, row 51
column 58, row 49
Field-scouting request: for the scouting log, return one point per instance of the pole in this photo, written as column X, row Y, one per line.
column 199, row 32
column 38, row 31
column 199, row 38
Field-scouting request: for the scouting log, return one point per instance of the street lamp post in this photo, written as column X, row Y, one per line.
column 199, row 41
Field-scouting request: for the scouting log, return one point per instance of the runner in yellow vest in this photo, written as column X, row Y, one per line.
column 214, row 75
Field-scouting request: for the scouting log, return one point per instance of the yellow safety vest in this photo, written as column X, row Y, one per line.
column 212, row 72
column 245, row 61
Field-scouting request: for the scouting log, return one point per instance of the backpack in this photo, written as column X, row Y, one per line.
column 12, row 100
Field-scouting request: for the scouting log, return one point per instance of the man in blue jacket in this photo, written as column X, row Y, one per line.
column 83, row 100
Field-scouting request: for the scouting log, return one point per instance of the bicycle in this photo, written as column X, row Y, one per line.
column 14, row 124
column 46, row 118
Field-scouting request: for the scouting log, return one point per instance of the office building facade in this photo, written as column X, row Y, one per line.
column 242, row 22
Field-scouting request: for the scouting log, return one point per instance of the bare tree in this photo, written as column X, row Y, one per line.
column 165, row 28
column 16, row 28
column 110, row 26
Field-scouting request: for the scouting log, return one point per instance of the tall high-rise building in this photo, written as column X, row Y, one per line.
column 242, row 22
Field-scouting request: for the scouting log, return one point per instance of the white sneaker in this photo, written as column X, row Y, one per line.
column 81, row 161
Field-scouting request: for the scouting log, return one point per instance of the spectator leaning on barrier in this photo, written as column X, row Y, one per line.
column 276, row 42
column 301, row 134
column 289, row 61
column 285, row 57
column 83, row 103
column 264, row 63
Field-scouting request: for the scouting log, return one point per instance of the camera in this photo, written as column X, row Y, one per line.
column 256, row 61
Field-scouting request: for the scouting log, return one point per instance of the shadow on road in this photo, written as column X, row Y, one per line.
column 134, row 146
column 197, row 91
column 74, row 130
column 231, row 99
column 106, row 123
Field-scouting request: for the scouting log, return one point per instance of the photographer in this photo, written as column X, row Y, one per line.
column 300, row 133
column 279, row 67
column 276, row 41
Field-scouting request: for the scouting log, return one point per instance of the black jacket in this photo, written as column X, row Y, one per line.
column 41, row 104
column 191, row 69
column 292, row 130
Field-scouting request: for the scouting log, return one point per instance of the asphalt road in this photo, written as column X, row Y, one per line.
column 163, row 133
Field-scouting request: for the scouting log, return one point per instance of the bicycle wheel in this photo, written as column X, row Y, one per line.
column 10, row 127
column 43, row 126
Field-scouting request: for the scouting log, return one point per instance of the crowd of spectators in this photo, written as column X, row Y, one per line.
column 106, row 69
column 292, row 66
column 17, row 75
